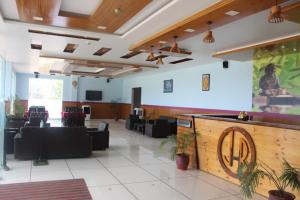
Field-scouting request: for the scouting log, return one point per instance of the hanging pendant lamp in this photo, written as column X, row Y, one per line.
column 151, row 56
column 159, row 60
column 174, row 47
column 275, row 14
column 209, row 38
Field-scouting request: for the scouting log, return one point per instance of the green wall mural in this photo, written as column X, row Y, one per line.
column 276, row 78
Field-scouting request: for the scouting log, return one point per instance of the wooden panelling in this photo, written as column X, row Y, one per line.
column 110, row 15
column 153, row 112
column 272, row 146
column 102, row 51
column 103, row 110
column 131, row 54
column 70, row 48
column 113, row 14
column 248, row 49
column 198, row 21
column 292, row 12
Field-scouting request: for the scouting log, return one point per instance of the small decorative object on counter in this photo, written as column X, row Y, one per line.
column 243, row 116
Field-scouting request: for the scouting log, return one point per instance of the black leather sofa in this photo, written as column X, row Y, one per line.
column 12, row 127
column 131, row 120
column 173, row 123
column 100, row 136
column 52, row 143
column 159, row 128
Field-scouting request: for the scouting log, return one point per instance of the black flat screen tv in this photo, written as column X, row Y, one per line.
column 93, row 95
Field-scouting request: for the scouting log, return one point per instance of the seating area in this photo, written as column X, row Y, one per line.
column 142, row 100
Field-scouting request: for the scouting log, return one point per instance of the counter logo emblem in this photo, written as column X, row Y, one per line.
column 235, row 146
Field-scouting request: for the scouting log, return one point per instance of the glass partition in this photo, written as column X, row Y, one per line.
column 2, row 109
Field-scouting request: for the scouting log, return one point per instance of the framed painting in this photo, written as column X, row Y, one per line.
column 168, row 86
column 205, row 82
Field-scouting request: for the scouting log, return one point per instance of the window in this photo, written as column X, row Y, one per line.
column 48, row 93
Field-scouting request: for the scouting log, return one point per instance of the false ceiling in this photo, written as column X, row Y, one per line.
column 111, row 45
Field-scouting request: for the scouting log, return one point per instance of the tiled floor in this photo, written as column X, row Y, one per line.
column 134, row 167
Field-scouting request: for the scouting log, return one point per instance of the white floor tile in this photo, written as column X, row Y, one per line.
column 15, row 176
column 115, row 161
column 144, row 159
column 53, row 165
column 165, row 171
column 219, row 183
column 84, row 163
column 40, row 175
column 195, row 188
column 131, row 174
column 113, row 192
column 15, row 165
column 95, row 177
column 154, row 190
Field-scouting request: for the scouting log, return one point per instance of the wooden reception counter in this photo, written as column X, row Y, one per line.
column 223, row 141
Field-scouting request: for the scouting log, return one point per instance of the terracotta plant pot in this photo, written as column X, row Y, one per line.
column 182, row 161
column 276, row 195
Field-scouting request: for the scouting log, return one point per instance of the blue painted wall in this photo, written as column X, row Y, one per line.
column 230, row 89
column 110, row 91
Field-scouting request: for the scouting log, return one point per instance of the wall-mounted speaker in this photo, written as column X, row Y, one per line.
column 225, row 64
column 108, row 80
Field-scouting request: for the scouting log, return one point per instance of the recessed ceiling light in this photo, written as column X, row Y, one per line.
column 232, row 13
column 162, row 42
column 102, row 27
column 189, row 30
column 38, row 18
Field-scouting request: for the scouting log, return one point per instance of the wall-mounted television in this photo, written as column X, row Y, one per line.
column 93, row 95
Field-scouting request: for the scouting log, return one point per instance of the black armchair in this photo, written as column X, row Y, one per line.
column 173, row 123
column 131, row 120
column 100, row 136
column 159, row 128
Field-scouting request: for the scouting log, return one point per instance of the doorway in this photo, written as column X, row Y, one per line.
column 48, row 93
column 136, row 98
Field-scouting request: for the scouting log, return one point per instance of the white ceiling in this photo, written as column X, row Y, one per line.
column 15, row 39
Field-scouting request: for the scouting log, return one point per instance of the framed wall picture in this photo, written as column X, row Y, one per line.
column 205, row 82
column 168, row 86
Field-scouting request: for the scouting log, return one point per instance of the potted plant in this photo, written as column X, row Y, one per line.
column 19, row 108
column 179, row 149
column 290, row 177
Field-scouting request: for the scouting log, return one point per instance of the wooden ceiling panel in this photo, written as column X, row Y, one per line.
column 198, row 21
column 292, row 12
column 47, row 9
column 111, row 14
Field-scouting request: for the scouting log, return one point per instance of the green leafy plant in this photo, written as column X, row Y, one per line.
column 250, row 180
column 19, row 108
column 179, row 144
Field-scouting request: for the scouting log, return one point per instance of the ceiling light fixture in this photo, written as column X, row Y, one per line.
column 209, row 38
column 174, row 47
column 162, row 42
column 275, row 14
column 117, row 11
column 159, row 60
column 189, row 30
column 232, row 13
column 151, row 54
column 102, row 27
column 36, row 18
